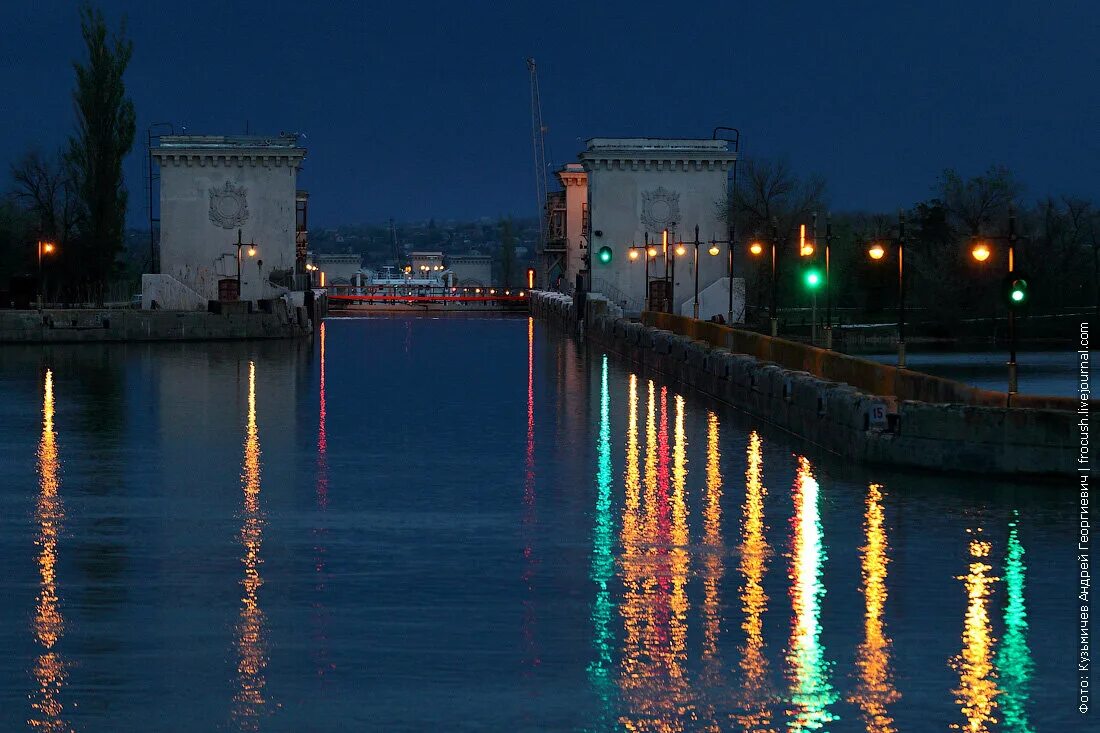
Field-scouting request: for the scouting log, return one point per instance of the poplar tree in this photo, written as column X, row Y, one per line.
column 104, row 135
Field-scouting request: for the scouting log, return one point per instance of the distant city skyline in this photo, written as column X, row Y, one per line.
column 422, row 110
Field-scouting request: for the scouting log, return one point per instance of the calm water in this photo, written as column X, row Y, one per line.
column 470, row 524
column 1037, row 372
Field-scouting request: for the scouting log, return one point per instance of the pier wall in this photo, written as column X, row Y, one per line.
column 106, row 326
column 848, row 406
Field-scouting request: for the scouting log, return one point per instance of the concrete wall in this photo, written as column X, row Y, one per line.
column 101, row 326
column 200, row 216
column 837, row 416
column 168, row 293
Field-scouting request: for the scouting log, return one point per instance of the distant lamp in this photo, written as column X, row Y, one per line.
column 251, row 251
column 876, row 252
column 756, row 249
column 681, row 250
column 652, row 251
column 633, row 254
column 713, row 251
column 48, row 247
column 980, row 252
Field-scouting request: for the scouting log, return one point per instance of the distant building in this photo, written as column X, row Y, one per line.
column 471, row 270
column 425, row 263
column 341, row 271
column 211, row 187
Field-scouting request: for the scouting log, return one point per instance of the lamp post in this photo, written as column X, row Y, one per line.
column 756, row 249
column 876, row 253
column 251, row 253
column 1017, row 293
column 806, row 249
column 43, row 248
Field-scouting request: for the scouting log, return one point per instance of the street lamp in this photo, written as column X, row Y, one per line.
column 44, row 248
column 649, row 253
column 251, row 253
column 756, row 248
column 877, row 251
column 1016, row 290
column 713, row 250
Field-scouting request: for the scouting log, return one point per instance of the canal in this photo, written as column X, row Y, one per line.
column 473, row 524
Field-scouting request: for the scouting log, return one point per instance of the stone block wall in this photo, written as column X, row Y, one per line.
column 801, row 390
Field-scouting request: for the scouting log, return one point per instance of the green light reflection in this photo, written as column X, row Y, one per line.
column 603, row 565
column 811, row 691
column 1014, row 658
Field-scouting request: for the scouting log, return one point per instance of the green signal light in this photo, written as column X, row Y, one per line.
column 604, row 255
column 812, row 278
column 1018, row 295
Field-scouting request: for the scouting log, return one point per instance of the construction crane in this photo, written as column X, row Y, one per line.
column 538, row 145
column 393, row 242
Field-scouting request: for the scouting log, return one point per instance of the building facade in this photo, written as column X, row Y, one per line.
column 471, row 270
column 637, row 188
column 214, row 186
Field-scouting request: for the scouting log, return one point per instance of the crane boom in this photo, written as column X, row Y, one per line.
column 538, row 145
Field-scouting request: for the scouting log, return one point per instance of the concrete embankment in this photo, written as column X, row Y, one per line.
column 855, row 408
column 103, row 326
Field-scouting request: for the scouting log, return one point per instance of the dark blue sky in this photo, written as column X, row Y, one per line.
column 416, row 109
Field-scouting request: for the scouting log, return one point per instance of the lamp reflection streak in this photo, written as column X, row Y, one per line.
column 875, row 691
column 1014, row 658
column 811, row 691
column 977, row 692
column 655, row 572
column 603, row 563
column 49, row 625
column 251, row 642
column 632, row 671
column 755, row 715
column 531, row 658
column 713, row 569
column 320, row 634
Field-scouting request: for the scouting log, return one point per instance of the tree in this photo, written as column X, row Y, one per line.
column 767, row 191
column 977, row 202
column 507, row 252
column 104, row 135
column 44, row 191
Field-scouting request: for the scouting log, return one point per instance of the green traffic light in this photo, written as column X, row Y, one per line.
column 604, row 255
column 1015, row 290
column 812, row 278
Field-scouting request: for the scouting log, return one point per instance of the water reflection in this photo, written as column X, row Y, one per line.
column 49, row 625
column 603, row 563
column 755, row 714
column 977, row 692
column 322, row 663
column 655, row 690
column 712, row 671
column 811, row 691
column 1014, row 657
column 251, row 642
column 531, row 658
column 875, row 690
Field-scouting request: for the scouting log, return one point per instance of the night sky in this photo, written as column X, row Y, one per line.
column 416, row 109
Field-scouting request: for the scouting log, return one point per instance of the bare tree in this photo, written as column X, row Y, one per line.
column 975, row 203
column 43, row 188
column 769, row 191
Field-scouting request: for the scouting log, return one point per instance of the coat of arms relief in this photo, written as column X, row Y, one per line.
column 660, row 209
column 229, row 205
